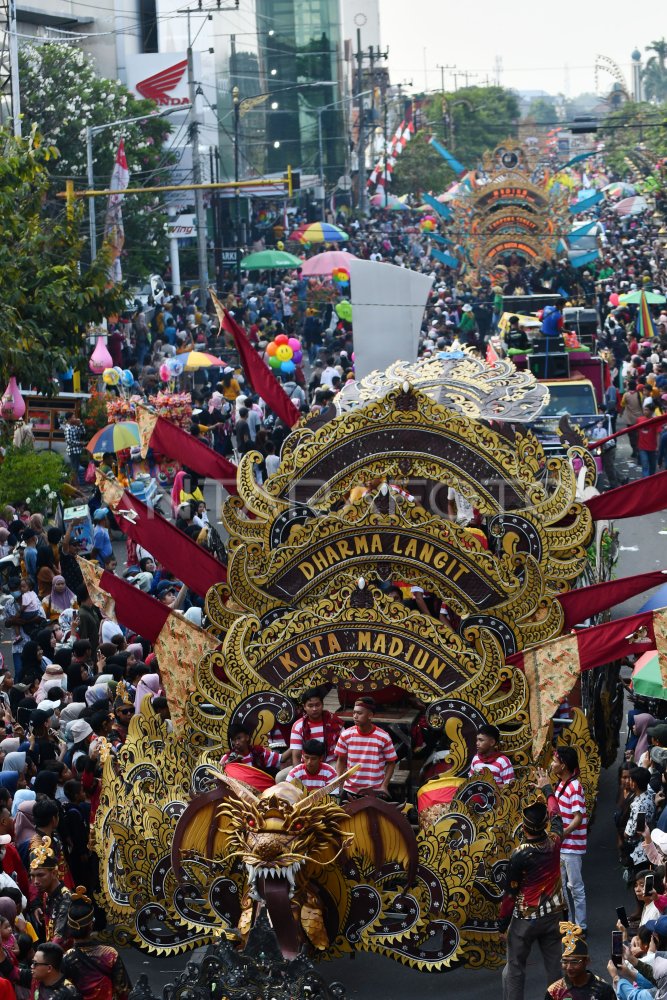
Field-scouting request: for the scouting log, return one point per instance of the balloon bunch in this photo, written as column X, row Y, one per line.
column 171, row 368
column 428, row 224
column 284, row 354
column 118, row 376
column 340, row 276
column 344, row 311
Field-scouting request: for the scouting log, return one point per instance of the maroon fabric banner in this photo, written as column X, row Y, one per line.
column 583, row 603
column 188, row 561
column 134, row 609
column 643, row 496
column 604, row 643
column 170, row 440
column 262, row 379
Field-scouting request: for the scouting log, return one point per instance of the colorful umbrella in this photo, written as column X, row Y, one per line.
column 266, row 260
column 619, row 189
column 634, row 298
column 646, row 676
column 115, row 437
column 382, row 200
column 631, row 206
column 322, row 264
column 192, row 360
column 319, row 232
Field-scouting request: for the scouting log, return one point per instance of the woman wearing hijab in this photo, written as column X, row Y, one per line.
column 640, row 724
column 17, row 762
column 10, row 780
column 31, row 662
column 98, row 693
column 24, row 827
column 47, row 570
column 60, row 599
column 46, row 783
column 46, row 640
column 149, row 684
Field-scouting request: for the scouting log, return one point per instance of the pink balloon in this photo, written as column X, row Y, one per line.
column 164, row 373
column 352, row 355
column 294, row 343
column 614, row 299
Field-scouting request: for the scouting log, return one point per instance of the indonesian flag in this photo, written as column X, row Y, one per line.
column 114, row 233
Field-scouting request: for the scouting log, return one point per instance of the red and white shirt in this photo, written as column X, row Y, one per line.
column 325, row 774
column 372, row 751
column 570, row 798
column 316, row 733
column 499, row 766
column 257, row 757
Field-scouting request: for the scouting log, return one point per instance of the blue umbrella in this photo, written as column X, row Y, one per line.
column 658, row 600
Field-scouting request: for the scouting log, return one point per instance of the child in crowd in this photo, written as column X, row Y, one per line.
column 313, row 771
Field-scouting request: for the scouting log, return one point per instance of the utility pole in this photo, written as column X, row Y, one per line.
column 14, row 67
column 237, row 194
column 373, row 56
column 200, row 211
column 361, row 173
column 442, row 75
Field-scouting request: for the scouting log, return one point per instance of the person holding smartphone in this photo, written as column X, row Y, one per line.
column 643, row 803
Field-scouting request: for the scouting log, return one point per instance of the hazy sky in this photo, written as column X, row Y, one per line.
column 543, row 46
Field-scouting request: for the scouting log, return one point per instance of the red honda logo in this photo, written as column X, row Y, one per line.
column 156, row 87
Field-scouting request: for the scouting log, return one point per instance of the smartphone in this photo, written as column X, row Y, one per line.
column 648, row 885
column 617, row 947
column 641, row 822
column 622, row 916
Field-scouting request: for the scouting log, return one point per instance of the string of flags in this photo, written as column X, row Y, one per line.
column 382, row 171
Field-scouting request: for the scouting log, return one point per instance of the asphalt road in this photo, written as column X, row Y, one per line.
column 373, row 977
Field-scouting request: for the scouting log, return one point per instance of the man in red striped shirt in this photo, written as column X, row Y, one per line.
column 313, row 771
column 489, row 757
column 572, row 807
column 369, row 747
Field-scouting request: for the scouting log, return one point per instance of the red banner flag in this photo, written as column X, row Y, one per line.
column 134, row 609
column 261, row 378
column 168, row 439
column 584, row 602
column 192, row 564
column 643, row 496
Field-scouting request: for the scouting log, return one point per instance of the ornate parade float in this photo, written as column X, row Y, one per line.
column 189, row 854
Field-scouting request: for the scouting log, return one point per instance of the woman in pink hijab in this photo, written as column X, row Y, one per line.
column 640, row 724
column 148, row 684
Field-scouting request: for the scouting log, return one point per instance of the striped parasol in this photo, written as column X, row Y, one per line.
column 115, row 437
column 645, row 326
column 319, row 232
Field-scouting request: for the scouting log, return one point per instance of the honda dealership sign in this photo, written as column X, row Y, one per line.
column 161, row 77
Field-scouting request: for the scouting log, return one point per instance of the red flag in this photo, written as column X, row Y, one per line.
column 584, row 602
column 136, row 610
column 261, row 378
column 192, row 564
column 643, row 496
column 604, row 643
column 170, row 440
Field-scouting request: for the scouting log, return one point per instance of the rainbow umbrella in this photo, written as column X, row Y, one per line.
column 645, row 325
column 115, row 437
column 319, row 232
column 192, row 360
column 646, row 676
column 635, row 298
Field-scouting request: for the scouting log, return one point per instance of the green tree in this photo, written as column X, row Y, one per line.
column 62, row 94
column 542, row 111
column 467, row 122
column 46, row 299
column 632, row 126
column 655, row 72
column 420, row 168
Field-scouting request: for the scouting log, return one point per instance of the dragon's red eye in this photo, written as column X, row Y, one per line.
column 251, row 823
column 298, row 825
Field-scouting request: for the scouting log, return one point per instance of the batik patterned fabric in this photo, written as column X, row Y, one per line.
column 551, row 672
column 97, row 971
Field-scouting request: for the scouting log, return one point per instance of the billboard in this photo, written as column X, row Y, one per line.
column 161, row 77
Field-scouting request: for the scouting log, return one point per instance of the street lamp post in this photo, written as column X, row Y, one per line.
column 92, row 130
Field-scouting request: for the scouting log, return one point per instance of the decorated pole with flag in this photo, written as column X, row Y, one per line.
column 114, row 233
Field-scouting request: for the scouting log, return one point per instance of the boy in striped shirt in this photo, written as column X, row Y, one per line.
column 313, row 771
column 370, row 747
column 572, row 807
column 489, row 757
